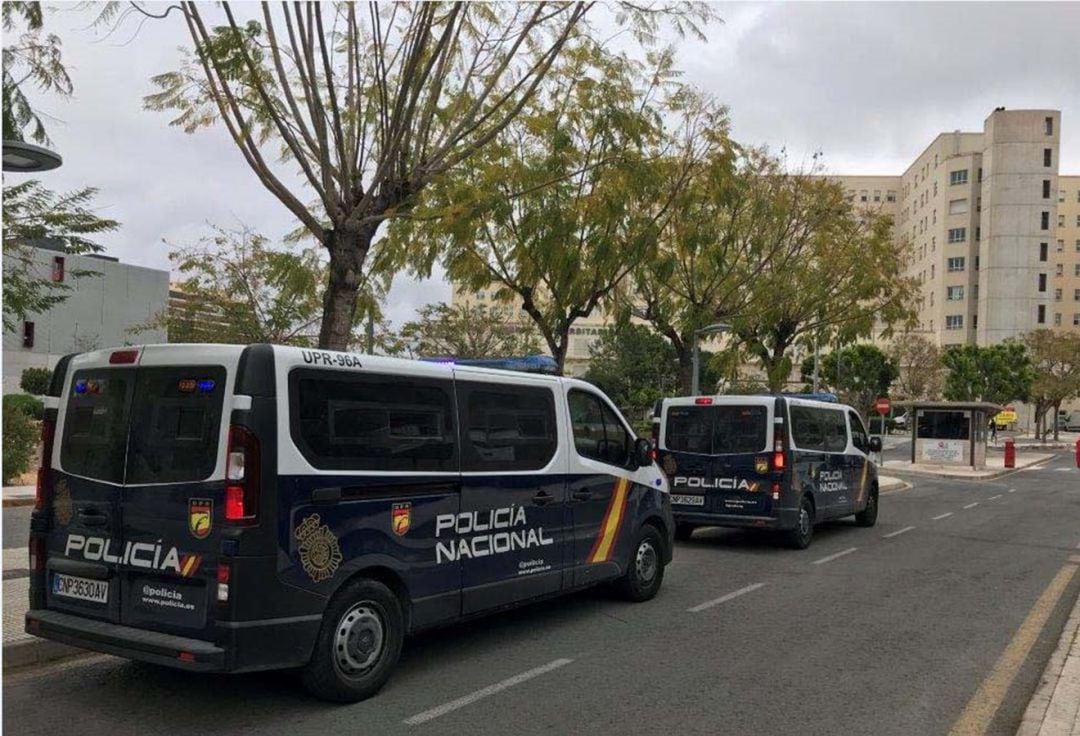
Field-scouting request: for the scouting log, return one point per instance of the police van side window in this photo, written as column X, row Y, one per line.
column 858, row 434
column 373, row 422
column 836, row 436
column 506, row 427
column 598, row 433
column 807, row 429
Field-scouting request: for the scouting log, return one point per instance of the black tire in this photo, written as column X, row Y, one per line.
column 868, row 516
column 358, row 645
column 645, row 569
column 803, row 533
column 683, row 531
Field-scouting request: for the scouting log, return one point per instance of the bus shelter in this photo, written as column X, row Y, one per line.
column 950, row 432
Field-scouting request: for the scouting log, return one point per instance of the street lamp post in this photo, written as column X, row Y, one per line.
column 695, row 382
column 26, row 158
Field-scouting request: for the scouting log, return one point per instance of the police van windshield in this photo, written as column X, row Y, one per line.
column 716, row 430
column 143, row 425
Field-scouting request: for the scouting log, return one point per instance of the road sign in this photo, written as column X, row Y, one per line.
column 883, row 406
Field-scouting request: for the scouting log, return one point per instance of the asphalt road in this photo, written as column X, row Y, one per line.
column 889, row 630
column 16, row 526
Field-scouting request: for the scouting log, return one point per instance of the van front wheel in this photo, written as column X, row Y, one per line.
column 645, row 570
column 803, row 533
column 868, row 516
column 358, row 645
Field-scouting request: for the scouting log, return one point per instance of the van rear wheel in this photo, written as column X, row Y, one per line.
column 358, row 644
column 803, row 533
column 645, row 570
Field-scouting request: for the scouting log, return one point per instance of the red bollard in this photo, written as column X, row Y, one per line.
column 1010, row 452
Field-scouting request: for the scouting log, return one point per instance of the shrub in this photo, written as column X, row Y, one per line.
column 26, row 404
column 35, row 381
column 20, row 441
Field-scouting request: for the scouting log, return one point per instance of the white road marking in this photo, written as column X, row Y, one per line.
column 993, row 497
column 972, row 505
column 1064, row 470
column 941, row 516
column 1012, row 490
column 830, row 558
column 725, row 598
column 461, row 702
column 898, row 532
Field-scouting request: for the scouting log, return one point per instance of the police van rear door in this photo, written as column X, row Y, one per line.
column 715, row 452
column 139, row 494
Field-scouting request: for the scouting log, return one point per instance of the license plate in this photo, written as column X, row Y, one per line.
column 69, row 586
column 688, row 500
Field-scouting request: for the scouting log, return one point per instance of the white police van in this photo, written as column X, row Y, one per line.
column 231, row 508
column 783, row 462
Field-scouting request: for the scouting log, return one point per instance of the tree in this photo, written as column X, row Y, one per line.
column 371, row 105
column 35, row 381
column 844, row 284
column 634, row 366
column 1055, row 359
column 31, row 58
column 919, row 362
column 858, row 374
column 34, row 214
column 237, row 289
column 558, row 209
column 20, row 437
column 465, row 331
column 996, row 373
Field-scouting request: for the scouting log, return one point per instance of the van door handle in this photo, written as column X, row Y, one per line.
column 89, row 517
column 581, row 495
column 543, row 498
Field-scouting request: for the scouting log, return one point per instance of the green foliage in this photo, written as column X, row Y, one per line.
column 919, row 361
column 30, row 56
column 841, row 278
column 634, row 366
column 237, row 289
column 858, row 374
column 35, row 380
column 33, row 213
column 1055, row 359
column 466, row 331
column 31, row 406
column 20, row 440
column 996, row 373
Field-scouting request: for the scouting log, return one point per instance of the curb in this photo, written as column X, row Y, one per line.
column 1035, row 716
column 10, row 502
column 34, row 651
column 894, row 487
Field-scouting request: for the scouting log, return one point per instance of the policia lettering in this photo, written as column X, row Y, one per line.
column 136, row 554
column 493, row 542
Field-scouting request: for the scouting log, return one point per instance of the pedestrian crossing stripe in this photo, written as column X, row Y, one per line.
column 609, row 527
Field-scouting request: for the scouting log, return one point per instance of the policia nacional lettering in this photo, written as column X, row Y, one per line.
column 492, row 542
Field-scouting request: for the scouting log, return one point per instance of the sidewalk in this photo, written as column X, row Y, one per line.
column 22, row 649
column 1054, row 710
column 889, row 484
column 18, row 495
column 995, row 466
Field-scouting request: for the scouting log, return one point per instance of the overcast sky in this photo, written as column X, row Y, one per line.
column 869, row 85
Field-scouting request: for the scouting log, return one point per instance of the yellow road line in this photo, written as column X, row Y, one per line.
column 984, row 704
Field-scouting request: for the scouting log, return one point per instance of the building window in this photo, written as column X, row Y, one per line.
column 28, row 334
column 1042, row 282
column 980, row 173
column 957, row 234
column 1045, row 221
column 1046, row 189
column 1076, row 269
column 976, row 263
column 974, row 321
column 1078, row 245
column 954, row 322
column 890, row 196
column 955, row 264
column 1057, row 319
column 1078, row 220
column 877, row 195
column 975, row 291
column 933, row 244
column 1041, row 318
column 1061, row 220
column 958, row 206
column 1076, row 295
column 1048, row 126
column 931, row 298
column 58, row 269
column 1076, row 319
column 1061, row 195
column 978, row 233
column 1057, row 295
column 933, row 269
column 958, row 177
column 1043, row 252
column 863, row 195
column 978, row 204
column 1060, row 270
column 1060, row 245
column 1048, row 156
column 954, row 293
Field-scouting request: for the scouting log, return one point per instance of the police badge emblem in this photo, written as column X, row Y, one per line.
column 669, row 465
column 320, row 554
column 761, row 464
column 400, row 518
column 200, row 517
column 62, row 502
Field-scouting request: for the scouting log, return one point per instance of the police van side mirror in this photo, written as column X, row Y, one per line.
column 642, row 449
column 875, row 444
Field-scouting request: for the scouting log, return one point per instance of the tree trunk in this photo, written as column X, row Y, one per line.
column 348, row 250
column 558, row 352
column 686, row 371
column 1057, row 415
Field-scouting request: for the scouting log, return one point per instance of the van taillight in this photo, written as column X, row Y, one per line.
column 43, row 489
column 37, row 554
column 242, row 476
column 123, row 357
column 778, row 450
column 223, row 575
column 654, row 451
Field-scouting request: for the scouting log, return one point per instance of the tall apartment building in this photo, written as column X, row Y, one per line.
column 1065, row 257
column 979, row 215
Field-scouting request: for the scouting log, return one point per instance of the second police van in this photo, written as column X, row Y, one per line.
column 781, row 463
column 230, row 508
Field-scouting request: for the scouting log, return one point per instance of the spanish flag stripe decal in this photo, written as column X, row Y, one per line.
column 609, row 527
column 189, row 565
column 862, row 480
